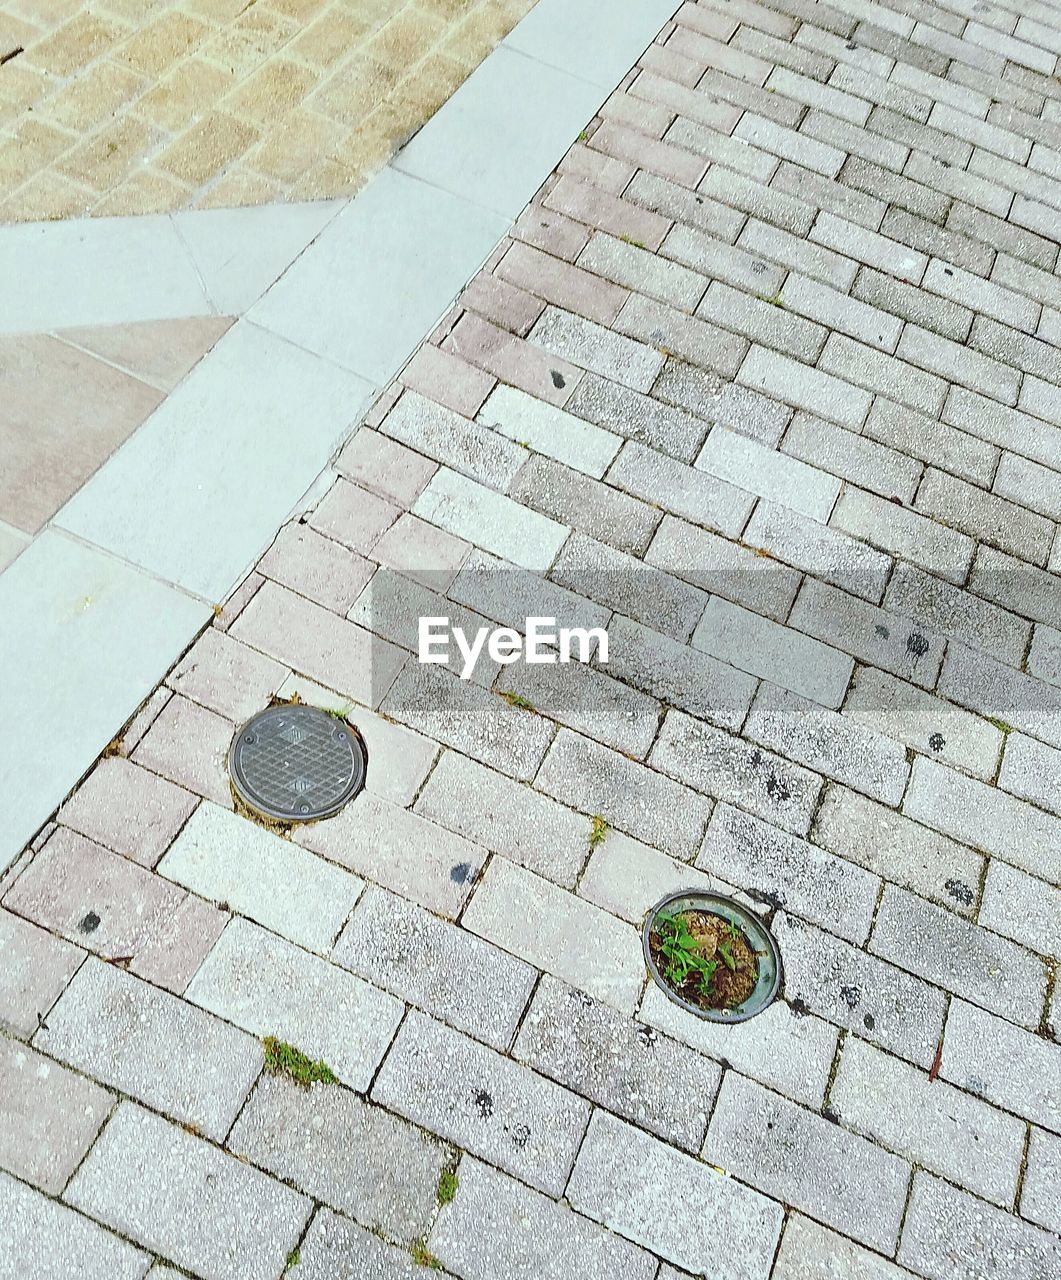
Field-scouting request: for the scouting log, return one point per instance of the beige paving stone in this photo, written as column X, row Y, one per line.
column 194, row 85
column 279, row 86
column 109, row 155
column 159, row 352
column 145, row 192
column 47, row 197
column 155, row 48
column 207, row 147
column 88, row 100
column 75, row 44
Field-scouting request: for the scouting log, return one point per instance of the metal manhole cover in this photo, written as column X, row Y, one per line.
column 294, row 763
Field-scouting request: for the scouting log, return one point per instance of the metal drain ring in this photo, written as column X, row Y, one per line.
column 294, row 763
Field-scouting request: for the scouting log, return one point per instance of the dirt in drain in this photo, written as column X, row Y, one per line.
column 707, row 960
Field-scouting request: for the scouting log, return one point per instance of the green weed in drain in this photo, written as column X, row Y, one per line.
column 339, row 713
column 682, row 955
column 597, row 831
column 447, row 1186
column 284, row 1059
column 423, row 1257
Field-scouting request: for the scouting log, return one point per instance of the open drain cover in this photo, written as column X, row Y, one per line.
column 297, row 763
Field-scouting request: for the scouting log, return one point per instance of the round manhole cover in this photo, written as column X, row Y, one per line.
column 294, row 763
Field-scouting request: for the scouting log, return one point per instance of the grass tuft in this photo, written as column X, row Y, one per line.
column 423, row 1257
column 293, row 1258
column 284, row 1059
column 447, row 1186
column 518, row 700
column 597, row 831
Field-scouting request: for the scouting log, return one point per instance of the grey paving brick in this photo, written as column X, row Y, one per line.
column 687, row 492
column 1032, row 771
column 227, row 858
column 735, row 771
column 813, row 1252
column 983, row 296
column 269, row 987
column 947, row 609
column 1002, row 426
column 661, row 198
column 799, row 255
column 402, row 948
column 817, row 549
column 877, row 636
column 732, row 570
column 623, row 1066
column 972, row 188
column 805, row 388
column 867, row 246
column 1017, row 585
column 451, row 439
column 400, row 850
column 950, row 1235
column 1044, row 656
column 919, row 436
column 622, row 582
column 1039, row 1196
column 900, row 192
column 679, row 675
column 807, row 1161
column 342, row 1151
column 757, row 201
column 783, row 52
column 961, row 957
column 919, row 137
column 336, row 1247
column 922, row 233
column 724, row 404
column 469, row 719
column 51, row 1117
column 938, row 89
column 1002, row 235
column 929, row 725
column 782, row 870
column 486, row 1104
column 35, row 966
column 43, row 1238
column 721, row 261
column 496, row 1225
column 489, row 520
column 1020, row 276
column 888, row 375
column 762, row 321
column 846, row 138
column 828, row 194
column 638, row 417
column 984, row 818
column 904, row 533
column 533, row 919
column 929, row 1122
column 808, row 90
column 911, row 302
column 854, row 989
column 183, row 1198
column 152, row 1046
column 1023, row 908
column 614, row 1182
column 959, row 364
column 627, row 794
column 767, row 649
column 828, row 742
column 680, row 336
column 494, row 812
column 839, row 311
column 900, row 850
column 1029, row 485
column 789, row 1051
column 992, row 689
column 639, row 269
column 549, row 429
column 790, row 145
column 590, row 346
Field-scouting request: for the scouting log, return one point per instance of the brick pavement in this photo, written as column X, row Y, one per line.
column 766, row 378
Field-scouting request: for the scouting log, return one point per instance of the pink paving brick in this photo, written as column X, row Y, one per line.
column 647, row 153
column 449, row 380
column 353, row 516
column 35, row 967
column 128, row 809
column 513, row 360
column 320, row 645
column 502, row 303
column 689, row 103
column 605, row 172
column 550, row 231
column 672, row 65
column 189, row 745
column 138, row 726
column 386, row 467
column 422, row 551
column 88, row 895
column 708, row 22
column 225, row 676
column 230, row 610
column 172, row 955
column 608, row 213
column 650, row 118
column 563, row 284
column 327, row 572
column 381, row 406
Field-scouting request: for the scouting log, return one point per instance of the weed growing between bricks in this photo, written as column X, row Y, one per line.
column 284, row 1059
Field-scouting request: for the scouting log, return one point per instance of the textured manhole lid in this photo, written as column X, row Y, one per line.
column 295, row 763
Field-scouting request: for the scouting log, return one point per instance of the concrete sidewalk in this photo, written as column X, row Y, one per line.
column 766, row 381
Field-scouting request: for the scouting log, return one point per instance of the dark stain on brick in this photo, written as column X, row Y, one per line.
column 484, row 1104
column 89, row 923
column 459, row 873
column 960, row 892
column 850, row 996
column 558, row 378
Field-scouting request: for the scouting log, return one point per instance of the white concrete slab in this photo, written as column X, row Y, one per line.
column 596, row 42
column 84, row 639
column 197, row 493
column 501, row 134
column 378, row 278
column 240, row 252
